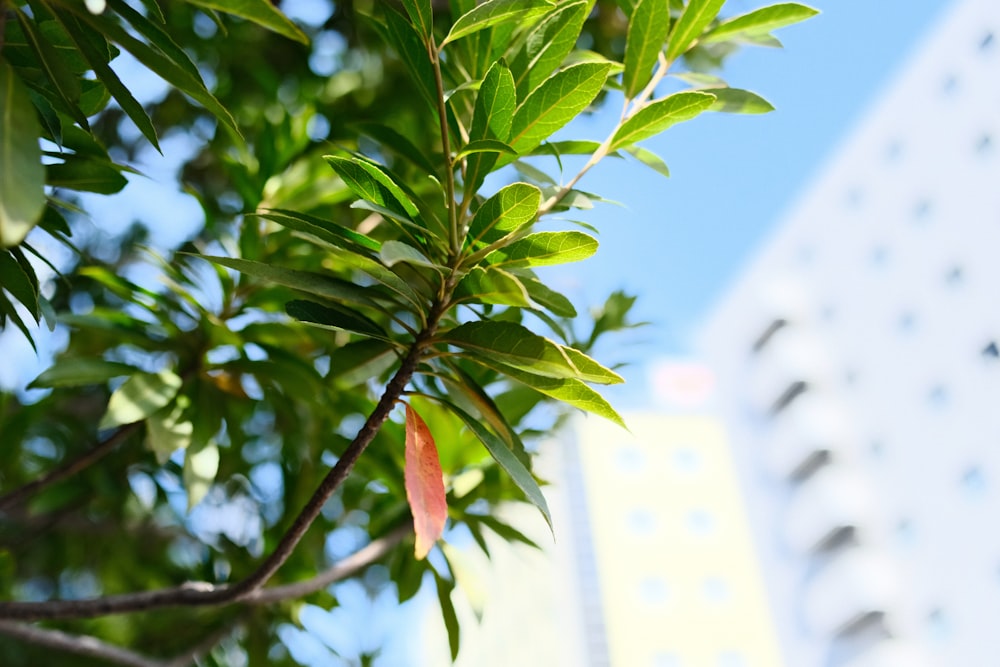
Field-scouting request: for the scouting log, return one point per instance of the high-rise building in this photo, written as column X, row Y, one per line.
column 653, row 564
column 858, row 358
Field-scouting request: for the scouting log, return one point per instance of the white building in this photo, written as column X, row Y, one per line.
column 859, row 359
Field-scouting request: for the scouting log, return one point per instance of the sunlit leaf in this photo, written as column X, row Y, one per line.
column 201, row 464
column 688, row 28
column 140, row 396
column 543, row 249
column 657, row 116
column 649, row 158
column 734, row 100
column 647, row 30
column 492, row 285
column 760, row 22
column 493, row 12
column 546, row 46
column 78, row 371
column 507, row 211
column 261, row 12
column 421, row 14
column 424, row 484
column 167, row 430
column 22, row 177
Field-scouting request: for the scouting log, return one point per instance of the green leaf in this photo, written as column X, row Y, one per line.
column 491, row 119
column 516, row 346
column 484, row 146
column 556, row 102
column 492, row 285
column 370, row 184
column 360, row 361
column 444, row 588
column 548, row 298
column 201, row 465
column 335, row 316
column 506, row 459
column 316, row 284
column 571, row 147
column 79, row 371
column 139, row 397
column 15, row 278
column 568, row 390
column 394, row 252
column 397, row 143
column 63, row 80
column 413, row 51
column 330, row 232
column 421, row 14
column 96, row 60
column 760, row 22
column 657, row 116
column 381, row 274
column 261, row 12
column 543, row 249
column 167, row 430
column 9, row 313
column 735, row 100
column 156, row 35
column 22, row 176
column 688, row 28
column 546, row 46
column 649, row 158
column 85, row 174
column 647, row 30
column 494, row 12
column 505, row 212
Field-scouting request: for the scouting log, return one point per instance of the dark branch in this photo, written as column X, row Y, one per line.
column 81, row 645
column 68, row 469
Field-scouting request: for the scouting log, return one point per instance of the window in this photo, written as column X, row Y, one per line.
column 700, row 522
column 666, row 660
column 629, row 459
column 653, row 591
column 641, row 522
column 732, row 659
column 687, row 461
column 715, row 590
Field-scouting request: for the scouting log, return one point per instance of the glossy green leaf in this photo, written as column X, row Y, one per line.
column 507, row 211
column 506, row 459
column 396, row 143
column 379, row 273
column 492, row 285
column 421, row 14
column 657, row 116
column 167, row 430
column 411, row 48
column 734, row 100
column 647, row 31
column 16, row 279
column 97, row 62
column 692, row 22
column 463, row 386
column 325, row 230
column 760, row 22
column 79, row 371
column 544, row 249
column 484, row 146
column 556, row 102
column 649, row 158
column 315, row 284
column 334, row 316
column 568, row 390
column 201, row 465
column 515, row 345
column 394, row 252
column 547, row 298
column 156, row 35
column 491, row 120
column 493, row 12
column 139, row 397
column 85, row 174
column 546, row 46
column 22, row 177
column 571, row 147
column 261, row 12
column 364, row 181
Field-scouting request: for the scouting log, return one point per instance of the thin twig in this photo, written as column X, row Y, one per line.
column 449, row 167
column 80, row 645
column 68, row 469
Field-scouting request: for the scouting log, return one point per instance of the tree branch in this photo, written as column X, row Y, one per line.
column 68, row 469
column 203, row 593
column 95, row 648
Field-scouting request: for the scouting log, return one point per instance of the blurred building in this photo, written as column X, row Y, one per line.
column 653, row 564
column 858, row 356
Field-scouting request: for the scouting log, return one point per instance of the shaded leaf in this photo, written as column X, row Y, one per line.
column 649, row 158
column 86, row 174
column 493, row 12
column 492, row 285
column 444, row 588
column 647, row 30
column 139, row 397
column 484, row 146
column 657, row 116
column 688, row 28
column 78, row 371
column 397, row 143
column 734, row 100
column 335, row 317
column 22, row 177
column 424, row 484
column 19, row 281
column 331, row 232
column 63, row 80
column 548, row 298
column 421, row 14
column 361, row 360
column 394, row 252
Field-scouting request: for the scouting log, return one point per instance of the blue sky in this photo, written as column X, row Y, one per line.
column 682, row 240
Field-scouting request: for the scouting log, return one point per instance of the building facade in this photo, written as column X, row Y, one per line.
column 859, row 366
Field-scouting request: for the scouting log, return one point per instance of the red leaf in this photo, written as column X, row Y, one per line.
column 424, row 484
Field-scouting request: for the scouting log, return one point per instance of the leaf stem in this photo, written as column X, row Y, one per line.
column 449, row 176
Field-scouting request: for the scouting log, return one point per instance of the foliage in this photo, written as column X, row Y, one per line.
column 356, row 253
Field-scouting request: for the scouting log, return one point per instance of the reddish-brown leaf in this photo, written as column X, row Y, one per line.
column 424, row 484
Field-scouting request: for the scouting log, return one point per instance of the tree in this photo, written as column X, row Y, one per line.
column 355, row 336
